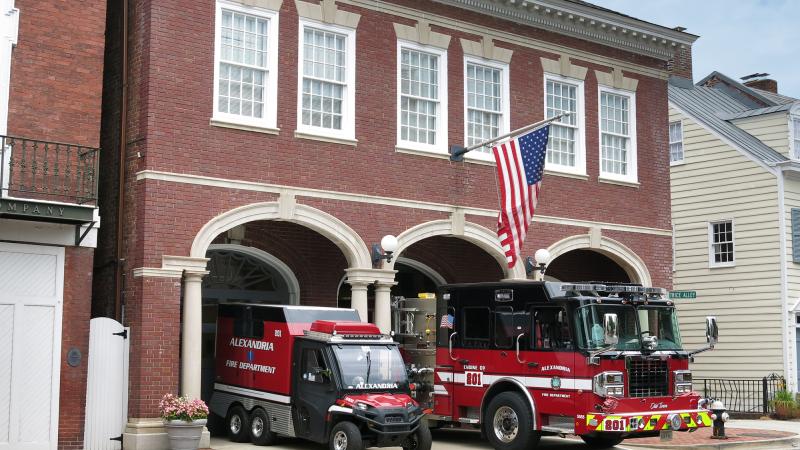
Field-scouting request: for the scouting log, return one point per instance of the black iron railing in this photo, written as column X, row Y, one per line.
column 39, row 170
column 743, row 395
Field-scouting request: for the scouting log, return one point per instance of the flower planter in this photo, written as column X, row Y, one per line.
column 184, row 435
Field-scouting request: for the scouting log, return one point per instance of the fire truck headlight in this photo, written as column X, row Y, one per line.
column 609, row 384
column 683, row 388
column 616, row 391
column 362, row 406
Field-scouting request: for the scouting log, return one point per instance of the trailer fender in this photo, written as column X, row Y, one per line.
column 508, row 384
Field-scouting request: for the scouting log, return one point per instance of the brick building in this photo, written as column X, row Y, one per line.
column 50, row 100
column 268, row 144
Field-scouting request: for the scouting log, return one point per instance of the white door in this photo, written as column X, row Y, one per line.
column 31, row 293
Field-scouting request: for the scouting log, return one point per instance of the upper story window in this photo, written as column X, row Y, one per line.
column 675, row 142
column 565, row 147
column 796, row 137
column 485, row 102
column 617, row 135
column 326, row 91
column 422, row 98
column 245, row 71
column 721, row 241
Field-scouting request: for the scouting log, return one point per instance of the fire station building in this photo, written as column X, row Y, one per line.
column 267, row 145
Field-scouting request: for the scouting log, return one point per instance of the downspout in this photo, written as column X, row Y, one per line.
column 784, row 277
column 123, row 150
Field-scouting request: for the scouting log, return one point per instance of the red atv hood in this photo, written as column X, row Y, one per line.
column 377, row 400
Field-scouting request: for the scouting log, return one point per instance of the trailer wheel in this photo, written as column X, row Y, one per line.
column 600, row 442
column 238, row 424
column 508, row 422
column 345, row 436
column 420, row 439
column 260, row 434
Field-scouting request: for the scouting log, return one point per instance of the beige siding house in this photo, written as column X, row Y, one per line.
column 735, row 182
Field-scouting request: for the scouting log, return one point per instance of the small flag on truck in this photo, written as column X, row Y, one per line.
column 447, row 321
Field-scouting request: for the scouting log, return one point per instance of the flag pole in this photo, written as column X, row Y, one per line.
column 457, row 152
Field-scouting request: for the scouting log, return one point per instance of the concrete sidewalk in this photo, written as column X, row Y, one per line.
column 742, row 434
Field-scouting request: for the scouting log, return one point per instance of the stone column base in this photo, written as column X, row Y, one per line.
column 150, row 434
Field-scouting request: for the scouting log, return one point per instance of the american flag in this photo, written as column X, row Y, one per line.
column 447, row 321
column 520, row 163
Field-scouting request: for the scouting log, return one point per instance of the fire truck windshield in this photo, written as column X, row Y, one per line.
column 640, row 328
column 371, row 367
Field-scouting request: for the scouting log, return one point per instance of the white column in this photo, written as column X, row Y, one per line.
column 358, row 298
column 192, row 333
column 383, row 318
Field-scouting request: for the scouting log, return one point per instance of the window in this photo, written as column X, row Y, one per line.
column 675, row 142
column 485, row 102
column 476, row 327
column 245, row 71
column 796, row 137
column 551, row 329
column 422, row 98
column 326, row 91
column 795, row 215
column 314, row 368
column 617, row 135
column 721, row 239
column 565, row 147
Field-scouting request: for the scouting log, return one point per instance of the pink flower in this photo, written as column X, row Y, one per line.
column 181, row 408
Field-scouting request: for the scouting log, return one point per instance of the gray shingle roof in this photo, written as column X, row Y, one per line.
column 707, row 105
column 777, row 98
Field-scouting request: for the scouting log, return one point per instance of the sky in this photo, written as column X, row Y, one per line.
column 737, row 37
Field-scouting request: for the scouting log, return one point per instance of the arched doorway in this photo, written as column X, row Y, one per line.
column 586, row 265
column 239, row 274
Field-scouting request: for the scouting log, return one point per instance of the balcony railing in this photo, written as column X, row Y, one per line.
column 49, row 171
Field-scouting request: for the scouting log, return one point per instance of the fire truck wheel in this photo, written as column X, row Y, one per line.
column 345, row 436
column 260, row 433
column 599, row 442
column 238, row 424
column 421, row 439
column 508, row 423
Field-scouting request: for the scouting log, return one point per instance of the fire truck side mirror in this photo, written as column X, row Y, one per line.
column 712, row 331
column 610, row 333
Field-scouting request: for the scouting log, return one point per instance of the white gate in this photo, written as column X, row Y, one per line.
column 107, row 385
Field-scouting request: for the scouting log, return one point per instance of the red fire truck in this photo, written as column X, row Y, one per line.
column 314, row 373
column 520, row 360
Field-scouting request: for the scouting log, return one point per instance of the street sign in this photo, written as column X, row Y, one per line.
column 683, row 294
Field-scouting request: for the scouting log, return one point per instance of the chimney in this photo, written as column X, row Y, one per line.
column 765, row 84
column 681, row 63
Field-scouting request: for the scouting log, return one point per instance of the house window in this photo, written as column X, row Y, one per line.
column 422, row 102
column 721, row 240
column 245, row 72
column 796, row 136
column 617, row 135
column 675, row 142
column 565, row 145
column 326, row 91
column 486, row 103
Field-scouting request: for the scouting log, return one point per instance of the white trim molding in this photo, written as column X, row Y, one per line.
column 711, row 263
column 505, row 104
column 633, row 265
column 579, row 168
column 631, row 157
column 269, row 259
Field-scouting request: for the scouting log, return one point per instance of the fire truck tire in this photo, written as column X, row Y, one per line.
column 509, row 424
column 260, row 434
column 600, row 442
column 345, row 435
column 421, row 439
column 238, row 424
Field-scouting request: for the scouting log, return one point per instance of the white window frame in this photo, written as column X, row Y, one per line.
column 442, row 113
column 348, row 131
column 580, row 139
column 505, row 103
column 269, row 121
column 632, row 175
column 670, row 142
column 711, row 262
column 794, row 136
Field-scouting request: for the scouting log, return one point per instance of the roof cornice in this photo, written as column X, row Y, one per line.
column 585, row 22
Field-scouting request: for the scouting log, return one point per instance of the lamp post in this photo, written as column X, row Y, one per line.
column 385, row 250
column 538, row 262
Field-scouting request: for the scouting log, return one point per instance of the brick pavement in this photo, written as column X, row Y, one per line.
column 702, row 437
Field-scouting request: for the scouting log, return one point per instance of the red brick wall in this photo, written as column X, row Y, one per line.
column 74, row 334
column 57, row 71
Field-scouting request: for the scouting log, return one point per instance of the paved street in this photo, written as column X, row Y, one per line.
column 460, row 439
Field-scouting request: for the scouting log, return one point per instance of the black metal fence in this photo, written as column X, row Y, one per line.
column 743, row 395
column 41, row 170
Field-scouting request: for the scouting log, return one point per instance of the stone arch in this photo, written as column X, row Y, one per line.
column 269, row 259
column 476, row 234
column 344, row 237
column 630, row 262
